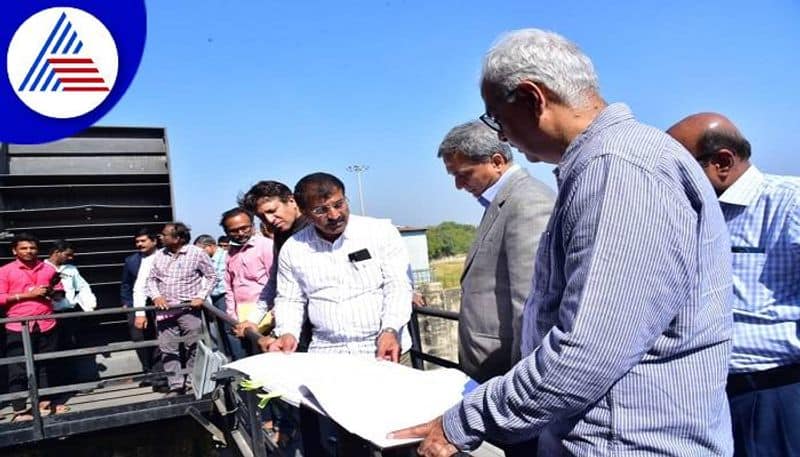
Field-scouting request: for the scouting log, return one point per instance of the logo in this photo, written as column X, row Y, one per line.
column 62, row 62
column 68, row 62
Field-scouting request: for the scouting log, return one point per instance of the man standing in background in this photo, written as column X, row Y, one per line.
column 763, row 216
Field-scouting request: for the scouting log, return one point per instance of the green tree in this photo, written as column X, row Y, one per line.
column 449, row 238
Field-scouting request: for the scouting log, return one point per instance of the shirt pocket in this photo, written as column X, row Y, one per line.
column 748, row 269
column 365, row 275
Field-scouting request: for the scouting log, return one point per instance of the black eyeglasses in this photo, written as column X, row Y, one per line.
column 492, row 121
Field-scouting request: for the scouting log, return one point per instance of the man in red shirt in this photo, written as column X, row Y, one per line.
column 27, row 288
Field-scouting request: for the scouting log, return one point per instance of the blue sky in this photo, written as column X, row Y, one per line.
column 255, row 89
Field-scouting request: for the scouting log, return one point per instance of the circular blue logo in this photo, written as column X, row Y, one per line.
column 67, row 64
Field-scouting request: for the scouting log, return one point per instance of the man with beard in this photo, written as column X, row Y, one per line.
column 248, row 267
column 348, row 274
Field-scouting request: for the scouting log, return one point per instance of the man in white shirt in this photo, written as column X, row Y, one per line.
column 348, row 275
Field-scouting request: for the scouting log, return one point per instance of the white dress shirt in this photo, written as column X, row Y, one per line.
column 348, row 302
column 140, row 285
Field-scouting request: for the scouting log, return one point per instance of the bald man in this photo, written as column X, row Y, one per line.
column 763, row 216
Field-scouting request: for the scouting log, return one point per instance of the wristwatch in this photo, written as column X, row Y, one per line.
column 386, row 330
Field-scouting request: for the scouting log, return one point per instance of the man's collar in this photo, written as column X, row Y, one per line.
column 182, row 250
column 744, row 191
column 491, row 192
column 611, row 114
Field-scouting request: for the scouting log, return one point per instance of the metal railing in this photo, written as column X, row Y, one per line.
column 418, row 356
column 30, row 359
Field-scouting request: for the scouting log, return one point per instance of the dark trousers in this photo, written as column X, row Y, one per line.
column 17, row 375
column 765, row 413
column 149, row 357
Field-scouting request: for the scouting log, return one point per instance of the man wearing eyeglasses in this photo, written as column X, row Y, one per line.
column 763, row 216
column 247, row 269
column 626, row 333
column 348, row 274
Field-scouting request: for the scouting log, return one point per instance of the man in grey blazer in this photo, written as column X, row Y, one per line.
column 499, row 267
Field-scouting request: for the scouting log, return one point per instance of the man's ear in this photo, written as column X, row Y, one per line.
column 723, row 160
column 534, row 95
column 498, row 160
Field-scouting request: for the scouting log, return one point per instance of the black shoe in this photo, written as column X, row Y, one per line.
column 175, row 393
column 162, row 389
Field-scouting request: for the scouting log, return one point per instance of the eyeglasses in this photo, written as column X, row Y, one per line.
column 323, row 210
column 242, row 229
column 492, row 121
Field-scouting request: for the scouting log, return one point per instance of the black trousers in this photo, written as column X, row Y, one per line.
column 17, row 375
column 149, row 357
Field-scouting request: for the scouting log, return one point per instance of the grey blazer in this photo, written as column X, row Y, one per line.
column 497, row 276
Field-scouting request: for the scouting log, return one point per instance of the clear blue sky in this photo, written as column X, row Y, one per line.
column 256, row 89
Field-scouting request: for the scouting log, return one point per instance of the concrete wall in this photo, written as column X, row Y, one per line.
column 417, row 246
column 440, row 336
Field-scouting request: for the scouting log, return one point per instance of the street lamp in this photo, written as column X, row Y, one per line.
column 358, row 170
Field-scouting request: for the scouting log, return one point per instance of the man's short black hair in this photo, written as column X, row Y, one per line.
column 320, row 185
column 24, row 236
column 264, row 189
column 713, row 140
column 223, row 239
column 181, row 231
column 148, row 232
column 233, row 212
column 61, row 246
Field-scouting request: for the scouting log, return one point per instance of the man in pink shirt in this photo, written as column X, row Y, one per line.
column 248, row 266
column 27, row 288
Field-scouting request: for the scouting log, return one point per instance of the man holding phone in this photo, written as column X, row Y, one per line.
column 28, row 287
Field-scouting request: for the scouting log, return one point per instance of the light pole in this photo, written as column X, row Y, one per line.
column 358, row 169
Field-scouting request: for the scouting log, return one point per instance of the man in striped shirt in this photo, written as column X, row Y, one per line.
column 349, row 275
column 763, row 216
column 626, row 332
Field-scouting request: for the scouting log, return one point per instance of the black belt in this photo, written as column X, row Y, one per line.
column 769, row 379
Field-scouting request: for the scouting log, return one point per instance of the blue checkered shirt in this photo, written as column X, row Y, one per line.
column 626, row 333
column 763, row 216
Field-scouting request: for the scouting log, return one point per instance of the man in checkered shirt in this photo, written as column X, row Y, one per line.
column 763, row 216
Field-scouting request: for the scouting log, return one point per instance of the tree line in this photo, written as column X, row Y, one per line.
column 449, row 238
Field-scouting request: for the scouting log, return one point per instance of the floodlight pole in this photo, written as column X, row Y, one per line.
column 358, row 170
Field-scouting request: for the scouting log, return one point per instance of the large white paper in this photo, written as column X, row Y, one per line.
column 369, row 398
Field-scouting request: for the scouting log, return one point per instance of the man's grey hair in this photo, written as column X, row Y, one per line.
column 544, row 57
column 474, row 140
column 205, row 240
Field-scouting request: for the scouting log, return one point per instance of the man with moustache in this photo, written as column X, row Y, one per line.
column 763, row 216
column 28, row 287
column 626, row 333
column 247, row 269
column 348, row 274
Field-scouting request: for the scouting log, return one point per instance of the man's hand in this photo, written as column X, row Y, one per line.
column 197, row 303
column 388, row 346
column 241, row 328
column 37, row 292
column 435, row 444
column 160, row 303
column 285, row 343
column 140, row 322
column 265, row 342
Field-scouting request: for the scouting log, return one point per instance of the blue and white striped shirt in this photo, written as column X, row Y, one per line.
column 626, row 333
column 763, row 216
